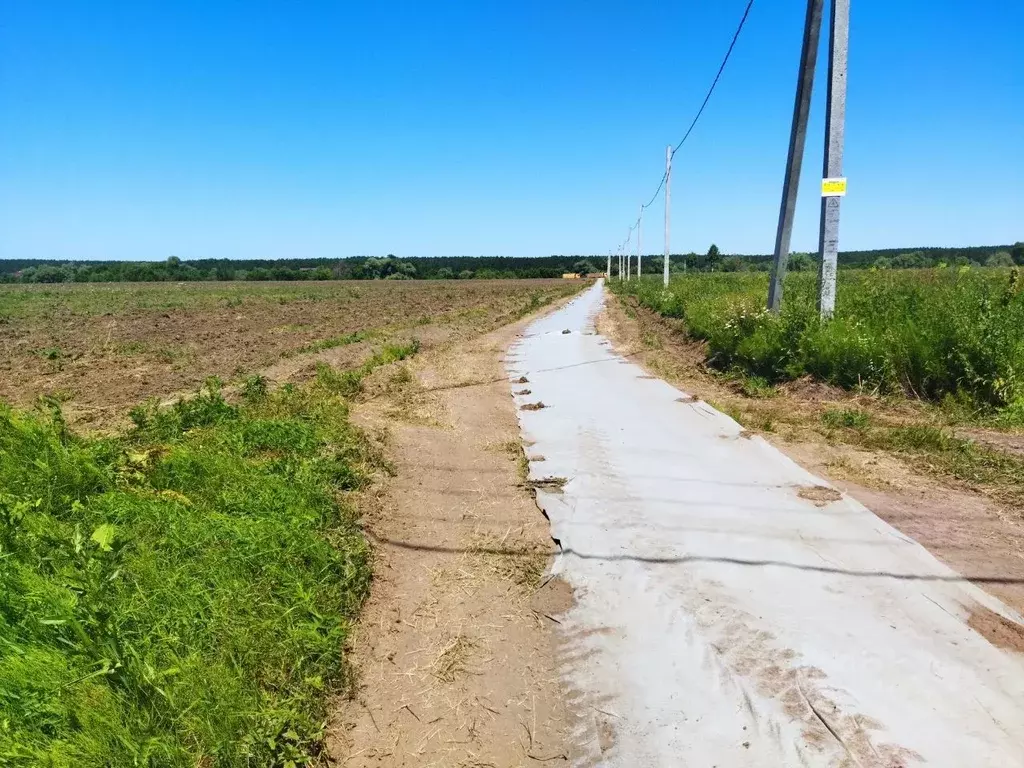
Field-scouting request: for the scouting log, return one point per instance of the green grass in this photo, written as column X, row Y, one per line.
column 337, row 341
column 845, row 418
column 934, row 334
column 181, row 595
column 349, row 383
column 756, row 386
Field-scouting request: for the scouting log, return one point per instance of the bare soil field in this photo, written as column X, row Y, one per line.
column 970, row 518
column 102, row 349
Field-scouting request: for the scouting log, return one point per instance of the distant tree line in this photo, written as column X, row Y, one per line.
column 470, row 267
column 354, row 268
column 889, row 258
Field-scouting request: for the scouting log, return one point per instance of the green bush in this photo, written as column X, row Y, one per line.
column 179, row 596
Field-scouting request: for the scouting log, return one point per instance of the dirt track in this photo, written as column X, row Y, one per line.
column 454, row 659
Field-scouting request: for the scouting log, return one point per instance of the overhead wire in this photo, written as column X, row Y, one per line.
column 703, row 106
column 718, row 77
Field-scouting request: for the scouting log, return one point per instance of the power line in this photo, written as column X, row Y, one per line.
column 654, row 197
column 629, row 234
column 707, row 98
column 718, row 76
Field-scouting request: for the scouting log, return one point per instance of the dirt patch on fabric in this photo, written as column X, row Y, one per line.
column 819, row 495
column 554, row 598
column 455, row 659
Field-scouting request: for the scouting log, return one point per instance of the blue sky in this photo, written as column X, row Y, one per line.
column 321, row 129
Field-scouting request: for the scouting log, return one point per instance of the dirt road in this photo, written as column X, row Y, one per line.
column 731, row 609
column 453, row 654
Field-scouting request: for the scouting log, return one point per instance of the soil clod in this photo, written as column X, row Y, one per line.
column 819, row 494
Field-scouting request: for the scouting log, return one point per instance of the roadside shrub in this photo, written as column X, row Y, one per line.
column 254, row 388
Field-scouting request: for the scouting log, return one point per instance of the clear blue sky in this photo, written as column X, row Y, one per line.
column 136, row 130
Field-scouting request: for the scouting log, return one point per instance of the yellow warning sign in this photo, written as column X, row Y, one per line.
column 835, row 187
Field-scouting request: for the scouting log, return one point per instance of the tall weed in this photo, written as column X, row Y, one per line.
column 928, row 333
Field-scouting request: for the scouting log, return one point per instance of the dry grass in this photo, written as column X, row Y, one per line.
column 819, row 495
column 404, row 397
column 451, row 662
column 523, row 567
column 515, row 452
column 508, row 559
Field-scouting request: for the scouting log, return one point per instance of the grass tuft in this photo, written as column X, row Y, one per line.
column 845, row 418
column 350, row 383
column 757, row 387
column 337, row 341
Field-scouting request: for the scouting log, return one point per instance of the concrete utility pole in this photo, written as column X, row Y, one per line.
column 639, row 241
column 833, row 185
column 608, row 272
column 797, row 139
column 668, row 194
column 628, row 261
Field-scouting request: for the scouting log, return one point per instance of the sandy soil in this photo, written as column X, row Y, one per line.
column 967, row 530
column 453, row 654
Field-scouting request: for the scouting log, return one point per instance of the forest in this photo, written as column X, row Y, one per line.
column 390, row 267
